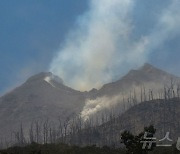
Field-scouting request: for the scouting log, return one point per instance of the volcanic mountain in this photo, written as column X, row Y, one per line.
column 146, row 76
column 44, row 96
column 160, row 113
column 145, row 83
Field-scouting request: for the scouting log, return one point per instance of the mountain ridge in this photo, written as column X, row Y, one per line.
column 145, row 74
column 41, row 98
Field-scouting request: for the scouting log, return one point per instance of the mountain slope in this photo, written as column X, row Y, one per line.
column 44, row 96
column 40, row 97
column 147, row 76
column 162, row 114
column 145, row 83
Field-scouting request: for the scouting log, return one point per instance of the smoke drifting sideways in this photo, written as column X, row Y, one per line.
column 101, row 46
column 124, row 100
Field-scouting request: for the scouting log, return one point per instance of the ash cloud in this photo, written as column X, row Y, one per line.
column 102, row 46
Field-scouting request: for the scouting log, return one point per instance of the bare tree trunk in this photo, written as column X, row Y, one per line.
column 45, row 131
column 31, row 133
column 38, row 131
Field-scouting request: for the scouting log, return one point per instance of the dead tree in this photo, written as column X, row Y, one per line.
column 52, row 133
column 37, row 132
column 135, row 98
column 45, row 131
column 65, row 128
column 178, row 90
column 19, row 136
column 31, row 134
column 60, row 133
column 144, row 93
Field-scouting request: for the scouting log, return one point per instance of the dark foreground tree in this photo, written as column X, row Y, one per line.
column 134, row 143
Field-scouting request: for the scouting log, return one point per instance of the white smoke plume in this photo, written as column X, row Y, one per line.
column 93, row 106
column 125, row 99
column 101, row 47
column 167, row 26
column 100, row 44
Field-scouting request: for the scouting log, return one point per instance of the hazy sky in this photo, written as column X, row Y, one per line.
column 31, row 33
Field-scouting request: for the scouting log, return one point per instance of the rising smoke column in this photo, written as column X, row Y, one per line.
column 99, row 48
column 102, row 46
column 167, row 27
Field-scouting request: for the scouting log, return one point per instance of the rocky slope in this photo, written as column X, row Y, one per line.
column 147, row 76
column 162, row 114
column 44, row 96
column 41, row 97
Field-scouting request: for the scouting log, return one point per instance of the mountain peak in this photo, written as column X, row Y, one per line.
column 45, row 76
column 147, row 66
column 150, row 69
column 145, row 69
